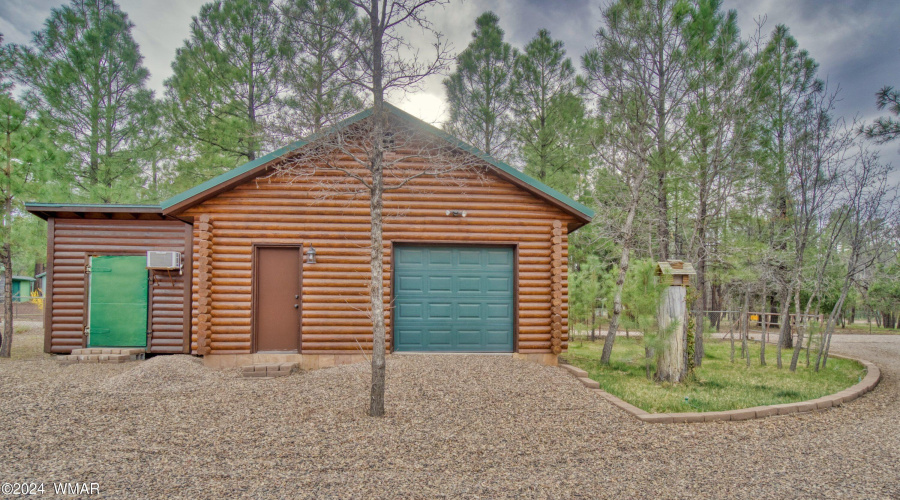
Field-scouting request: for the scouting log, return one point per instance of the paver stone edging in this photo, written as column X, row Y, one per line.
column 873, row 376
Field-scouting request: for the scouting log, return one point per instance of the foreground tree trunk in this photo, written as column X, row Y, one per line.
column 376, row 205
column 6, row 340
column 376, row 287
column 670, row 360
column 6, row 257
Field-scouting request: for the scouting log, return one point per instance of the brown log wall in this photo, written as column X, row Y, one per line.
column 319, row 211
column 70, row 241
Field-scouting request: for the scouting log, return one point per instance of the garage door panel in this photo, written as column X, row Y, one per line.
column 439, row 337
column 465, row 303
column 409, row 336
column 469, row 310
column 470, row 257
column 500, row 284
column 412, row 256
column 439, row 284
column 499, row 257
column 466, row 284
column 440, row 311
column 438, row 256
column 410, row 310
column 469, row 337
column 410, row 283
column 498, row 311
column 496, row 337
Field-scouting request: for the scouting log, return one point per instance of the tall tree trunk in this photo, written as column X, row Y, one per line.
column 623, row 270
column 376, row 205
column 617, row 308
column 6, row 337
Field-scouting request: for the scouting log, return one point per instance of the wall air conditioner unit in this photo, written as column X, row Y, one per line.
column 164, row 260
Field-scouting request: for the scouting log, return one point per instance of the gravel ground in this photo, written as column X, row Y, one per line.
column 472, row 426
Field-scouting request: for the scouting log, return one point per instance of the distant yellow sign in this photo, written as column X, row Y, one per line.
column 754, row 317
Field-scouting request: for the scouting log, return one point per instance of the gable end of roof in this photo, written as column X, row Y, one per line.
column 230, row 179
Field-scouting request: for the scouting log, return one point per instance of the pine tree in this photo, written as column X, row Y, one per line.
column 716, row 135
column 784, row 80
column 25, row 159
column 318, row 94
column 550, row 117
column 85, row 77
column 226, row 83
column 481, row 92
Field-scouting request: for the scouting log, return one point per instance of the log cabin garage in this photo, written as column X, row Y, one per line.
column 268, row 264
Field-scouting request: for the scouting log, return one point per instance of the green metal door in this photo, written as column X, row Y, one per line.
column 118, row 301
column 453, row 298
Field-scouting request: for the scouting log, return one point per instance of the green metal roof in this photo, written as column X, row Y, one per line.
column 23, row 278
column 86, row 205
column 251, row 165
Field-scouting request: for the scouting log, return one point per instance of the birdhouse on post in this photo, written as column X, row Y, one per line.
column 675, row 272
column 670, row 362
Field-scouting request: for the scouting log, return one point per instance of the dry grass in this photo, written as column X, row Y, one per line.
column 28, row 341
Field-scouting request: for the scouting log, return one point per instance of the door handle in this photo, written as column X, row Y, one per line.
column 296, row 306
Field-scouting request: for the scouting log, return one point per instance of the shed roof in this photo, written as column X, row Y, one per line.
column 94, row 211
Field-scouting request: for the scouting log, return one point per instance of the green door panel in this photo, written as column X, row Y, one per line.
column 118, row 301
column 453, row 298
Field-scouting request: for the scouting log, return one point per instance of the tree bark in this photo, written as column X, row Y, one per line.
column 623, row 269
column 376, row 204
column 671, row 316
column 617, row 308
column 6, row 337
column 784, row 323
column 801, row 324
column 745, row 330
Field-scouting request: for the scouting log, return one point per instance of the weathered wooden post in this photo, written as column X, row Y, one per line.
column 670, row 363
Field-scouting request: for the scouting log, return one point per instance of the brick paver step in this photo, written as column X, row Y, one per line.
column 269, row 370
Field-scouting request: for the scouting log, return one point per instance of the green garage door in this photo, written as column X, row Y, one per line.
column 118, row 301
column 453, row 299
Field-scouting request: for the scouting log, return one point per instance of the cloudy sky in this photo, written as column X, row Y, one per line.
column 854, row 41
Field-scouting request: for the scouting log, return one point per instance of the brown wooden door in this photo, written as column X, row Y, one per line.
column 277, row 301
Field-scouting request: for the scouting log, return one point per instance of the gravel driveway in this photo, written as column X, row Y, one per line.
column 474, row 426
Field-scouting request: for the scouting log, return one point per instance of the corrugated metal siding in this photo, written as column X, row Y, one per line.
column 73, row 240
column 317, row 210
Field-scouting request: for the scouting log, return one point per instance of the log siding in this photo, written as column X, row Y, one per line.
column 71, row 241
column 320, row 210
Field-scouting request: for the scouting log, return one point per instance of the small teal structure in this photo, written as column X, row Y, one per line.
column 40, row 281
column 21, row 288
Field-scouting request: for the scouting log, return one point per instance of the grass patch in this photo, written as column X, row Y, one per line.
column 28, row 341
column 720, row 385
